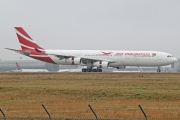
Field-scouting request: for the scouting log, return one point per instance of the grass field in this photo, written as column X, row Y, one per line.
column 112, row 95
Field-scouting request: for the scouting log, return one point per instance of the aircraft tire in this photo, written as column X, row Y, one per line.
column 89, row 70
column 99, row 70
column 158, row 70
column 84, row 70
column 94, row 70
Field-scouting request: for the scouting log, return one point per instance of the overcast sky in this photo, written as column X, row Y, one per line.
column 92, row 24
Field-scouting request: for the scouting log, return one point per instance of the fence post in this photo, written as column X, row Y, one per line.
column 93, row 111
column 47, row 112
column 3, row 114
column 146, row 118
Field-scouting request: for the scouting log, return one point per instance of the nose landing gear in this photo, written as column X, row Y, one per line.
column 159, row 69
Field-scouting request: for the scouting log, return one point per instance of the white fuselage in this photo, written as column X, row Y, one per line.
column 117, row 58
column 94, row 60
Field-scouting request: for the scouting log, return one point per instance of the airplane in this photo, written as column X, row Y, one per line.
column 95, row 60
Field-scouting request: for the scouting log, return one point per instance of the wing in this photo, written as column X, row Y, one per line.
column 84, row 58
column 60, row 56
column 96, row 59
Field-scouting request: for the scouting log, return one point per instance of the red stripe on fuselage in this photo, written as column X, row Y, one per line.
column 45, row 59
column 28, row 43
column 21, row 30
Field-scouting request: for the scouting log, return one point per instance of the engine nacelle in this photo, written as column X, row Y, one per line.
column 101, row 64
column 73, row 61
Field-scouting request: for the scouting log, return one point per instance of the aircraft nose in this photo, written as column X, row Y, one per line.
column 175, row 59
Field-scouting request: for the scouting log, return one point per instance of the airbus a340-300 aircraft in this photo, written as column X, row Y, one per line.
column 93, row 59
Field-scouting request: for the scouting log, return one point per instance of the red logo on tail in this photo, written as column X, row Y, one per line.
column 25, row 40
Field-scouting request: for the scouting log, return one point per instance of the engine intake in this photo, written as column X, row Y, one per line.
column 101, row 64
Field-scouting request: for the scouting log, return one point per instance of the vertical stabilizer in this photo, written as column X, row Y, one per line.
column 25, row 40
column 18, row 66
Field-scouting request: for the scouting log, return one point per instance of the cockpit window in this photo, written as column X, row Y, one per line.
column 169, row 56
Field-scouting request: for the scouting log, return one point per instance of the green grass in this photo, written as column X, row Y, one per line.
column 29, row 89
column 150, row 87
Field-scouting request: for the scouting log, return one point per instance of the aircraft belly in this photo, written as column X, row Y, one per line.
column 137, row 62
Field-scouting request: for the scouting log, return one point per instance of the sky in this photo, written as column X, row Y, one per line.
column 92, row 25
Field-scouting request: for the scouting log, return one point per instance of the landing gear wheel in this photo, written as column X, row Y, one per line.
column 89, row 70
column 158, row 70
column 84, row 70
column 94, row 70
column 99, row 70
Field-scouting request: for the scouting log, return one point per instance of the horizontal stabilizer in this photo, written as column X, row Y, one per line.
column 13, row 49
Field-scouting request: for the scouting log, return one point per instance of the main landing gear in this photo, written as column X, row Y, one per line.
column 91, row 70
column 159, row 69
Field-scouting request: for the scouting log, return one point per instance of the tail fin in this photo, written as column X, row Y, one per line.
column 25, row 40
column 18, row 66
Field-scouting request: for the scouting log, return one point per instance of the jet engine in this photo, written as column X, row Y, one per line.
column 101, row 64
column 73, row 61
